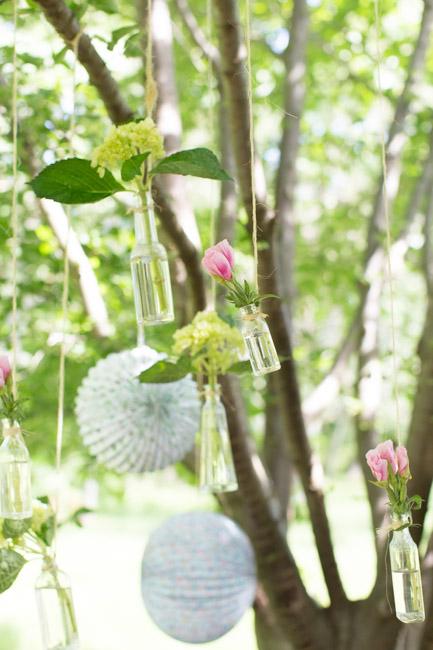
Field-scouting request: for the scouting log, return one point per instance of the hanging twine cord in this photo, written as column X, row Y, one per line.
column 252, row 152
column 151, row 88
column 387, row 218
column 211, row 120
column 65, row 295
column 14, row 214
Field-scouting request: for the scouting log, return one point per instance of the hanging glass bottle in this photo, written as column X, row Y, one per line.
column 149, row 267
column 258, row 341
column 217, row 471
column 406, row 575
column 15, row 477
column 56, row 608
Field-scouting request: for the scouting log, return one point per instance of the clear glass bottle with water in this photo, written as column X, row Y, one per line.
column 217, row 472
column 56, row 609
column 258, row 341
column 405, row 571
column 149, row 267
column 15, row 474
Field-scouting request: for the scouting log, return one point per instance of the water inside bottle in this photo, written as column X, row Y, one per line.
column 56, row 610
column 15, row 490
column 152, row 290
column 408, row 596
column 261, row 351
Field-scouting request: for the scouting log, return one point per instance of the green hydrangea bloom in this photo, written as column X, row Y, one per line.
column 212, row 344
column 41, row 513
column 127, row 140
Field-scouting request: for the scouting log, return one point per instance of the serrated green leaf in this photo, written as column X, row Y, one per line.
column 15, row 527
column 132, row 167
column 165, row 371
column 239, row 368
column 74, row 181
column 200, row 162
column 11, row 564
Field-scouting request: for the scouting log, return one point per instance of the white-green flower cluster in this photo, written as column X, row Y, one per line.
column 127, row 140
column 41, row 513
column 212, row 344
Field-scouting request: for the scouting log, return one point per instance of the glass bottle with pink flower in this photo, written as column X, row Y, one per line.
column 15, row 473
column 391, row 471
column 149, row 268
column 219, row 262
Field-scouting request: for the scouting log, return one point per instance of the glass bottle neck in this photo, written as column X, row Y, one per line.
column 248, row 310
column 212, row 392
column 10, row 429
column 144, row 220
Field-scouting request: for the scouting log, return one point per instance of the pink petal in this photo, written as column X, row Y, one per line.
column 5, row 366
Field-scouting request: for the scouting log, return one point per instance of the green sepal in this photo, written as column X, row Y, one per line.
column 12, row 528
column 381, row 484
column 201, row 163
column 132, row 167
column 74, row 181
column 11, row 564
column 166, row 371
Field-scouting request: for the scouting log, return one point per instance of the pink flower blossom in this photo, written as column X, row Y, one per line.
column 219, row 260
column 378, row 465
column 386, row 451
column 5, row 367
column 403, row 461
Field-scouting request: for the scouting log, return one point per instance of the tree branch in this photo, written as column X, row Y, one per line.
column 68, row 27
column 198, row 36
column 294, row 92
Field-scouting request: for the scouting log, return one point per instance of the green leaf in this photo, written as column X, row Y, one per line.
column 117, row 34
column 75, row 517
column 132, row 166
column 15, row 527
column 166, row 371
column 47, row 531
column 381, row 484
column 74, row 181
column 192, row 162
column 11, row 564
column 239, row 368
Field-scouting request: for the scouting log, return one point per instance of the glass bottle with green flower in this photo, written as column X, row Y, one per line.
column 219, row 262
column 391, row 471
column 213, row 347
column 15, row 471
column 31, row 539
column 130, row 148
column 138, row 143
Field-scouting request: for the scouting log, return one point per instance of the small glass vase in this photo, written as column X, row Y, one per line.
column 258, row 341
column 217, row 472
column 149, row 268
column 406, row 575
column 15, row 474
column 56, row 609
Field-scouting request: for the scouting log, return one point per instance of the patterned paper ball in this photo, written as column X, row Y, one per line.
column 135, row 427
column 198, row 576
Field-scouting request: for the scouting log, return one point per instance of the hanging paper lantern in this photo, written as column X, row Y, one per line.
column 135, row 427
column 198, row 576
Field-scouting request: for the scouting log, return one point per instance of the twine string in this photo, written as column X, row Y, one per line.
column 151, row 88
column 65, row 295
column 256, row 314
column 252, row 152
column 14, row 214
column 211, row 122
column 387, row 217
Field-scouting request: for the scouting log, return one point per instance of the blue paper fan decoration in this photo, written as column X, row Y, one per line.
column 135, row 427
column 198, row 576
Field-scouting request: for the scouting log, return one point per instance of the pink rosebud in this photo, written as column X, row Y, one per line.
column 403, row 461
column 378, row 465
column 5, row 367
column 386, row 452
column 219, row 260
